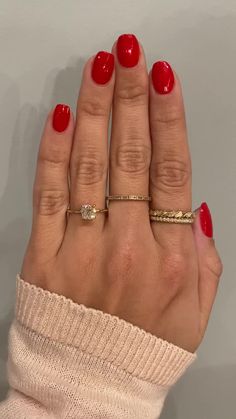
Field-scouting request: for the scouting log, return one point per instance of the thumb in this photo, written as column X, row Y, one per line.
column 210, row 265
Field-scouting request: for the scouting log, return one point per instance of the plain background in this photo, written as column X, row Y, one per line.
column 43, row 47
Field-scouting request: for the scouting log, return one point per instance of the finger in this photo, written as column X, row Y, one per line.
column 170, row 171
column 89, row 158
column 51, row 192
column 130, row 140
column 210, row 265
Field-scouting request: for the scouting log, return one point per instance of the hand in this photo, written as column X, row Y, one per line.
column 161, row 277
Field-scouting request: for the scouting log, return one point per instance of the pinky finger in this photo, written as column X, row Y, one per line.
column 210, row 265
column 51, row 189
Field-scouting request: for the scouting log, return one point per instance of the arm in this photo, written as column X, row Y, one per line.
column 81, row 362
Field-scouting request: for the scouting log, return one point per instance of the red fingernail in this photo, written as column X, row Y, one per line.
column 162, row 77
column 128, row 50
column 206, row 220
column 103, row 66
column 61, row 117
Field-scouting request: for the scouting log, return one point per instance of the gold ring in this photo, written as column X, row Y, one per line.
column 128, row 198
column 87, row 211
column 176, row 217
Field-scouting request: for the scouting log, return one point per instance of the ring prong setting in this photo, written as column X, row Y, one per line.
column 88, row 212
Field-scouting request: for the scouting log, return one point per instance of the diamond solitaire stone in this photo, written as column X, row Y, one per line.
column 88, row 212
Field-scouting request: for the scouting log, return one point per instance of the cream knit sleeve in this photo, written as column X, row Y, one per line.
column 69, row 361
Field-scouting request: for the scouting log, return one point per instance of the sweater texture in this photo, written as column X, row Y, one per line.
column 70, row 361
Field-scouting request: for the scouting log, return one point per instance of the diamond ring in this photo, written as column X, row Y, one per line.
column 87, row 211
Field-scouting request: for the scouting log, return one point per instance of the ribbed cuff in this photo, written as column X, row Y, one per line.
column 101, row 335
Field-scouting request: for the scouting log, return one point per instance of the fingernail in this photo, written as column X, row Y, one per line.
column 103, row 66
column 128, row 50
column 206, row 220
column 162, row 77
column 61, row 117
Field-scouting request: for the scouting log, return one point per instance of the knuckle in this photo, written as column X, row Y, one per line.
column 92, row 108
column 53, row 159
column 215, row 266
column 50, row 202
column 170, row 172
column 89, row 169
column 87, row 261
column 175, row 269
column 133, row 94
column 168, row 119
column 219, row 267
column 121, row 263
column 133, row 158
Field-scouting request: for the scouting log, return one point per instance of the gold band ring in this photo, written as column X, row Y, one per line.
column 176, row 217
column 128, row 198
column 87, row 211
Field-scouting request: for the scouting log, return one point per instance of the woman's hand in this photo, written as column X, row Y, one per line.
column 161, row 277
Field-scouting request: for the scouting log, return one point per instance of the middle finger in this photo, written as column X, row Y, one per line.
column 130, row 149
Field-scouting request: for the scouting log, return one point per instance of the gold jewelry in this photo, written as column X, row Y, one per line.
column 128, row 198
column 87, row 211
column 177, row 217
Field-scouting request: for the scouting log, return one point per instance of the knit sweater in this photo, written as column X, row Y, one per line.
column 70, row 361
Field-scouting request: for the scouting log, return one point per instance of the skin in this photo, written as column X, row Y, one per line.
column 160, row 277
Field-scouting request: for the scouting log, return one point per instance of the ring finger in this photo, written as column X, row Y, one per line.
column 89, row 161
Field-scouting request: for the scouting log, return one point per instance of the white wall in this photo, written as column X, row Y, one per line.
column 43, row 46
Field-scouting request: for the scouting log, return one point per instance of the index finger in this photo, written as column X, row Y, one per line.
column 170, row 171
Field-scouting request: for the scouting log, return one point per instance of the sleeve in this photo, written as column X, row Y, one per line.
column 69, row 361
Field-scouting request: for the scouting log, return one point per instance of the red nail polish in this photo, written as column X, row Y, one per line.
column 162, row 77
column 128, row 50
column 61, row 117
column 206, row 220
column 103, row 67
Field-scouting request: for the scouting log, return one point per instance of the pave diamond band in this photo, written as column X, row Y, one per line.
column 172, row 220
column 128, row 198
